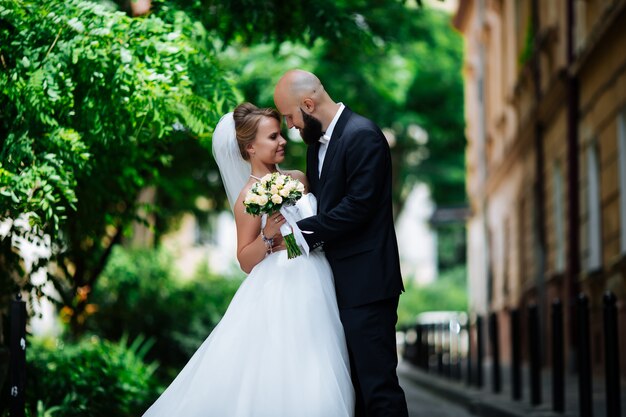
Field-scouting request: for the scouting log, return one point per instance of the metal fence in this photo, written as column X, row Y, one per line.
column 455, row 349
column 17, row 357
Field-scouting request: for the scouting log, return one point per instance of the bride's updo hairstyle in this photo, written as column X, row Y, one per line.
column 247, row 117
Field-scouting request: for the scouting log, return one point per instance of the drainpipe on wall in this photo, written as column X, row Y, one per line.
column 539, row 223
column 573, row 251
column 483, row 161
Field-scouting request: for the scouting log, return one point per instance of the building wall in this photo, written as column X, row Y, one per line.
column 602, row 98
column 520, row 80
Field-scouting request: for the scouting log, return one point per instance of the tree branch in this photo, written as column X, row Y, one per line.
column 117, row 238
column 52, row 46
column 58, row 285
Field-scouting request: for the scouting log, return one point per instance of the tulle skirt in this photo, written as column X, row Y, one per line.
column 279, row 351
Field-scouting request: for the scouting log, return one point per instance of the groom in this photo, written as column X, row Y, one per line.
column 349, row 171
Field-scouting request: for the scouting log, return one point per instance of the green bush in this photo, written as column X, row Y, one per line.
column 139, row 294
column 447, row 293
column 91, row 378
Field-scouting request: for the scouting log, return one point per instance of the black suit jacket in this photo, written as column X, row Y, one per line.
column 354, row 218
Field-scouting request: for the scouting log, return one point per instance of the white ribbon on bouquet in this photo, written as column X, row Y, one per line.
column 291, row 214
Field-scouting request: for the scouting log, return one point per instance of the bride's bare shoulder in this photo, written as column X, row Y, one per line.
column 244, row 191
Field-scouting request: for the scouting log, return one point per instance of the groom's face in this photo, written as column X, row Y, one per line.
column 311, row 130
column 309, row 126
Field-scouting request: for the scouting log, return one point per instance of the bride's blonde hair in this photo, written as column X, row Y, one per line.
column 247, row 117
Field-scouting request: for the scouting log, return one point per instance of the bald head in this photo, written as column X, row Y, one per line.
column 299, row 84
column 299, row 90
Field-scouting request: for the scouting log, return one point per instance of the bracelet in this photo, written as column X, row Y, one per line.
column 269, row 243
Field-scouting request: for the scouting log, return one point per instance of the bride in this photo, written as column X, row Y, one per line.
column 279, row 350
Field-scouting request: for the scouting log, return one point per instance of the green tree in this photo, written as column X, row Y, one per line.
column 91, row 98
column 261, row 40
column 409, row 81
column 397, row 63
column 407, row 78
column 411, row 85
column 447, row 293
column 92, row 105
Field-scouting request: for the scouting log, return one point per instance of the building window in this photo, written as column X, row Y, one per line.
column 559, row 217
column 594, row 225
column 621, row 137
column 580, row 29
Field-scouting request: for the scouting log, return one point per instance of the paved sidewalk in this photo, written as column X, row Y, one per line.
column 483, row 402
column 424, row 403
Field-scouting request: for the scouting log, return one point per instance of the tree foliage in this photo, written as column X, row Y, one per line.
column 447, row 293
column 96, row 105
column 279, row 21
column 366, row 52
column 407, row 79
column 93, row 103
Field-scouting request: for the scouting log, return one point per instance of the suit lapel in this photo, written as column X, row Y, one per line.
column 334, row 142
column 312, row 162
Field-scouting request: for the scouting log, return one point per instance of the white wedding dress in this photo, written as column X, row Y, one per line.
column 279, row 350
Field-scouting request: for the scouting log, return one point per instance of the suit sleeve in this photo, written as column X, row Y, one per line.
column 367, row 163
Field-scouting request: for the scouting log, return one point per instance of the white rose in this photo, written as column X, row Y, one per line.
column 300, row 187
column 276, row 199
column 250, row 198
column 266, row 178
column 280, row 181
column 262, row 200
column 284, row 192
column 274, row 190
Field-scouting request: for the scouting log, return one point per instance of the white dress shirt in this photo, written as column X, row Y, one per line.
column 327, row 136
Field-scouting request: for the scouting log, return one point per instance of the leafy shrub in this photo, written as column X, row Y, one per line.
column 139, row 293
column 91, row 378
column 447, row 293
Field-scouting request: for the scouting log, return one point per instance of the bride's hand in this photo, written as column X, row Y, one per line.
column 279, row 243
column 272, row 228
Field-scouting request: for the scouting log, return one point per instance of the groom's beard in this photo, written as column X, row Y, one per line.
column 312, row 130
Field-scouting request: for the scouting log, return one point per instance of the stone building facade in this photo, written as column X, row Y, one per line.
column 546, row 178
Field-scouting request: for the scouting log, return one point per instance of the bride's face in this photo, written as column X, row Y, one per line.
column 269, row 145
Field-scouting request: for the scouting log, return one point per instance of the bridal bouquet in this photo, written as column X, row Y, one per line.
column 276, row 192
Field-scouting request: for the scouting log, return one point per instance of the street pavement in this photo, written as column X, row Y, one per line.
column 423, row 403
